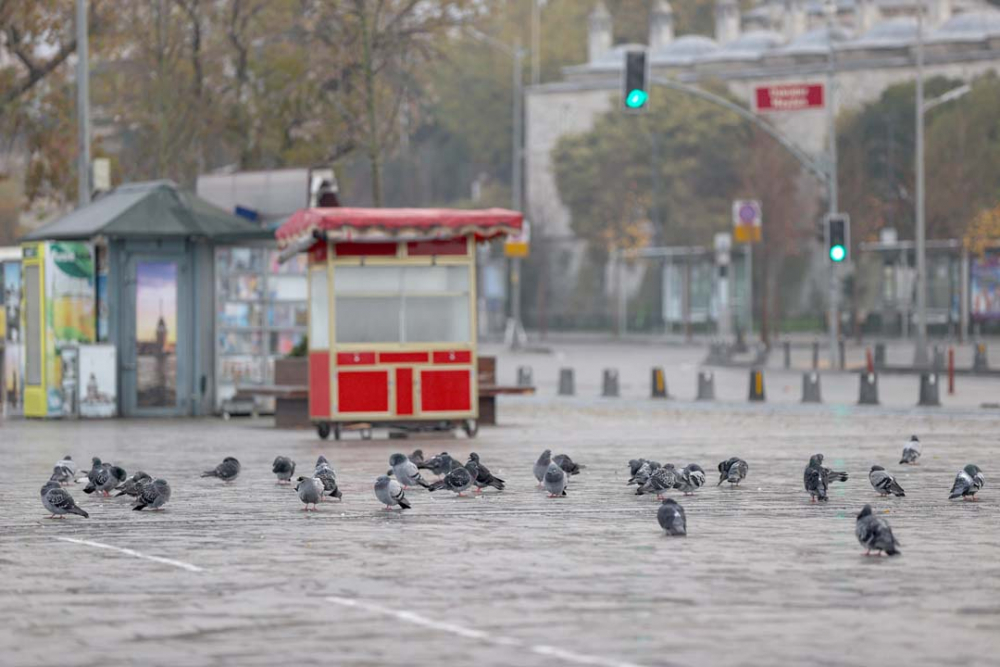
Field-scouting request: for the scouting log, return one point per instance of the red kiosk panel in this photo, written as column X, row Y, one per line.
column 446, row 247
column 453, row 357
column 319, row 384
column 363, row 391
column 355, row 358
column 445, row 390
column 402, row 357
column 404, row 391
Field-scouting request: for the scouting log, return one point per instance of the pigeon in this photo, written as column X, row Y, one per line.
column 153, row 495
column 481, row 475
column 390, row 493
column 321, row 460
column 61, row 475
column 417, row 456
column 690, row 479
column 671, row 518
column 283, row 467
column 555, row 480
column 566, row 463
column 310, row 490
column 911, row 451
column 733, row 471
column 406, row 471
column 227, row 471
column 328, row 477
column 884, row 483
column 105, row 479
column 68, row 463
column 95, row 467
column 132, row 486
column 816, row 478
column 58, row 501
column 662, row 480
column 458, row 480
column 642, row 471
column 441, row 464
column 874, row 533
column 542, row 465
column 968, row 482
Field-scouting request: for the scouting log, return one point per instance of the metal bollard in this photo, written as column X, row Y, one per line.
column 524, row 376
column 879, row 356
column 659, row 384
column 815, row 354
column 706, row 386
column 788, row 353
column 868, row 391
column 567, row 387
column 610, row 384
column 980, row 363
column 756, row 385
column 810, row 388
column 929, row 390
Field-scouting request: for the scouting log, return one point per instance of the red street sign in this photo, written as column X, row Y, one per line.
column 790, row 97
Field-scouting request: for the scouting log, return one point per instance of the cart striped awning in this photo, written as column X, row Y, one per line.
column 396, row 224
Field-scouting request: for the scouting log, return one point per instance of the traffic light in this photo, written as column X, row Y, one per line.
column 838, row 237
column 635, row 90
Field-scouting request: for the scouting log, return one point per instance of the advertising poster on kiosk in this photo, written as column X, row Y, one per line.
column 10, row 328
column 984, row 288
column 96, row 381
column 156, row 333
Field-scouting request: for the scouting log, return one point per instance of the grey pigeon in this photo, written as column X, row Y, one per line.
column 458, row 480
column 441, row 464
column 153, row 495
column 68, row 463
column 132, row 486
column 406, row 471
column 911, row 451
column 671, row 517
column 310, row 490
column 634, row 465
column 642, row 471
column 968, row 482
column 481, row 475
column 390, row 493
column 874, row 533
column 283, row 468
column 227, row 471
column 58, row 501
column 690, row 479
column 542, row 465
column 566, row 463
column 662, row 480
column 884, row 483
column 733, row 471
column 555, row 480
column 328, row 477
column 95, row 467
column 816, row 478
column 61, row 475
column 417, row 456
column 105, row 479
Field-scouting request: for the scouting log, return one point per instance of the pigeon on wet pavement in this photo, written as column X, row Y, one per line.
column 406, row 471
column 390, row 493
column 567, row 464
column 690, row 479
column 58, row 502
column 672, row 518
column 153, row 495
column 310, row 490
column 968, row 482
column 873, row 532
column 482, row 477
column 441, row 464
column 641, row 469
column 458, row 480
column 105, row 479
column 884, row 483
column 328, row 477
column 542, row 465
column 733, row 471
column 555, row 480
column 911, row 451
column 227, row 471
column 133, row 484
column 417, row 456
column 816, row 478
column 283, row 468
column 662, row 480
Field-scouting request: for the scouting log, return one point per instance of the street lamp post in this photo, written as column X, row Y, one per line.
column 920, row 354
column 82, row 105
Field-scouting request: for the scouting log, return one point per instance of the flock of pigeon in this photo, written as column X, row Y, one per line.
column 551, row 472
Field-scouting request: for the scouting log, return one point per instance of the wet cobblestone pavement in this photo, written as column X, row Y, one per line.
column 244, row 577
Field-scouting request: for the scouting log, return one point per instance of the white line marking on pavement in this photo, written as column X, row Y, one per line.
column 471, row 633
column 131, row 552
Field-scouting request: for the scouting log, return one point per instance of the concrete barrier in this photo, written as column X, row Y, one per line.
column 567, row 385
column 756, row 392
column 706, row 386
column 525, row 378
column 810, row 388
column 929, row 395
column 980, row 363
column 658, row 384
column 609, row 385
column 868, row 390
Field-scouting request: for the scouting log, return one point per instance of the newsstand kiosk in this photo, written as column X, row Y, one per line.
column 392, row 313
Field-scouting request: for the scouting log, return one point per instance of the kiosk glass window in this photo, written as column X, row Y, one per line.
column 319, row 322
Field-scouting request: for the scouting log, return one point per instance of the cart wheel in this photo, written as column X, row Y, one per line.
column 471, row 427
column 366, row 434
column 323, row 430
column 336, row 431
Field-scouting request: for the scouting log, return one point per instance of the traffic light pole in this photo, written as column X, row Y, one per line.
column 833, row 302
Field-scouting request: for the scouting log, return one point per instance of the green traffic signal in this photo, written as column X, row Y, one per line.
column 838, row 253
column 636, row 98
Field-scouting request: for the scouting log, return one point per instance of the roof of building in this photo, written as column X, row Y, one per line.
column 749, row 45
column 684, row 50
column 150, row 209
column 974, row 26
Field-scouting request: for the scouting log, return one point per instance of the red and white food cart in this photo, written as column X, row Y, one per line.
column 392, row 312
